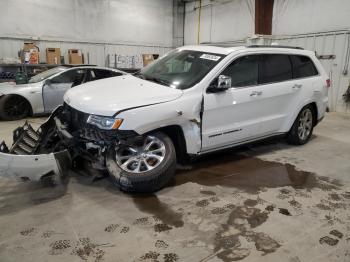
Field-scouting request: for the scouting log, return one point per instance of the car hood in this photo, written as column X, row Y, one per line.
column 108, row 96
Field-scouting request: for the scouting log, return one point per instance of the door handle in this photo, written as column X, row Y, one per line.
column 256, row 93
column 297, row 86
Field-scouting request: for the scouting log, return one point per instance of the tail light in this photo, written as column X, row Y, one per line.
column 328, row 82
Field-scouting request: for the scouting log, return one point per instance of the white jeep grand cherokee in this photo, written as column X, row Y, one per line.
column 194, row 100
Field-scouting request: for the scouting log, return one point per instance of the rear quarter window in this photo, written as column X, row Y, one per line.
column 303, row 66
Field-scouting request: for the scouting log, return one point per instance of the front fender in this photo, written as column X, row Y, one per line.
column 184, row 112
column 33, row 95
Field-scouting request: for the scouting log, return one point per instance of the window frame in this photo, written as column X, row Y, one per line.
column 313, row 63
column 67, row 71
column 273, row 82
column 233, row 61
column 262, row 53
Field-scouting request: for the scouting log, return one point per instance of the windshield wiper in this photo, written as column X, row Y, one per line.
column 153, row 79
column 139, row 75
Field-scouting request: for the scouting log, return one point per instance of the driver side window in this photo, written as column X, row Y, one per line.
column 244, row 71
column 67, row 77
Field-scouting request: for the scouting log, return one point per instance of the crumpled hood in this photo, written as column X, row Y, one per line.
column 108, row 96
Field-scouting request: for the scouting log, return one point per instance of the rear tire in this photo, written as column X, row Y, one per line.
column 13, row 107
column 136, row 168
column 302, row 128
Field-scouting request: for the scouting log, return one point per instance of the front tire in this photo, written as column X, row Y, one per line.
column 13, row 107
column 146, row 166
column 302, row 128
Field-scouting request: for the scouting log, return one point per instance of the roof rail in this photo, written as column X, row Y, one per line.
column 275, row 46
column 79, row 65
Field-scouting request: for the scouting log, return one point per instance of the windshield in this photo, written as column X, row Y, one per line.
column 180, row 69
column 40, row 77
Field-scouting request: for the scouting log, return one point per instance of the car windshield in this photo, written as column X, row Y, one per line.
column 180, row 69
column 40, row 77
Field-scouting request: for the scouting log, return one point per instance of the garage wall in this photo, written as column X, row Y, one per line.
column 322, row 26
column 97, row 27
column 305, row 16
column 221, row 20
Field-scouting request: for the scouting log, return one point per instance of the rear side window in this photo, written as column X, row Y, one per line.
column 243, row 71
column 275, row 68
column 303, row 66
column 70, row 76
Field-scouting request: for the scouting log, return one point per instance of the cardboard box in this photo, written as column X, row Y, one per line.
column 53, row 56
column 30, row 53
column 75, row 56
column 28, row 46
column 149, row 58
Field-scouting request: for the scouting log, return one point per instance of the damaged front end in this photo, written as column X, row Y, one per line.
column 36, row 155
column 65, row 138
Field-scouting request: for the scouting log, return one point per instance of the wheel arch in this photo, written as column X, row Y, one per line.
column 177, row 136
column 314, row 112
column 24, row 98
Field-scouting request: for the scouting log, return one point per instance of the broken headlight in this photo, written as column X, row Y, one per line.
column 106, row 123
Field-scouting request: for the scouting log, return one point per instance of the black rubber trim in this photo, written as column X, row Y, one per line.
column 225, row 133
column 275, row 46
column 248, row 141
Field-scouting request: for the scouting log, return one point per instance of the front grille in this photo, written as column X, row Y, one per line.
column 77, row 119
column 81, row 129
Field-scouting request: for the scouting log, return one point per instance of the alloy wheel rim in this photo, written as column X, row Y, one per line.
column 305, row 124
column 15, row 107
column 143, row 158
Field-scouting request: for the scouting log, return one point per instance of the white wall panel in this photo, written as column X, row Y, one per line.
column 305, row 23
column 220, row 20
column 331, row 43
column 305, row 16
column 95, row 26
column 127, row 21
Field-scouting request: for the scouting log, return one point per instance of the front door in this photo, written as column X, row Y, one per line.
column 232, row 116
column 54, row 90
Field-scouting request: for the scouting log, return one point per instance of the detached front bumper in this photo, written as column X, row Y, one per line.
column 27, row 159
column 50, row 150
column 35, row 167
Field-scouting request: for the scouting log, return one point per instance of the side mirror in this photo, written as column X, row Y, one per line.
column 223, row 83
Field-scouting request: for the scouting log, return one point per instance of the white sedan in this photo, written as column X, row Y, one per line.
column 44, row 92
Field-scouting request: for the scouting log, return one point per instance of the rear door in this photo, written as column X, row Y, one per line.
column 277, row 92
column 54, row 91
column 285, row 82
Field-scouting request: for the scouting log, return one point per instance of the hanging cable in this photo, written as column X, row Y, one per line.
column 199, row 22
column 347, row 56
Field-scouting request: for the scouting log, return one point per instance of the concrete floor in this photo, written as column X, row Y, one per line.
column 267, row 202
